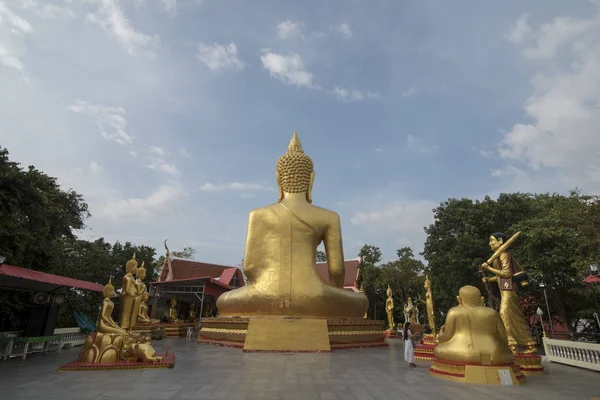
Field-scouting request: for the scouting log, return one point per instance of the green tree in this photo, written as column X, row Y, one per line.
column 187, row 253
column 34, row 213
column 369, row 279
column 321, row 256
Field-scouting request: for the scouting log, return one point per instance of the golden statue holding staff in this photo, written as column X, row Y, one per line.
column 504, row 267
column 389, row 308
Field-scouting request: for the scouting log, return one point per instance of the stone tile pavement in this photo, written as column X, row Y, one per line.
column 205, row 372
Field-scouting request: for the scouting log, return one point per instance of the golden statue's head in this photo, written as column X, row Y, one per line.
column 389, row 291
column 192, row 306
column 295, row 171
column 173, row 302
column 145, row 297
column 470, row 296
column 131, row 266
column 427, row 282
column 497, row 239
column 109, row 289
column 141, row 272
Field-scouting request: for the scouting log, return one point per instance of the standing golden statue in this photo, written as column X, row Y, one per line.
column 389, row 308
column 507, row 277
column 281, row 245
column 128, row 295
column 430, row 305
column 192, row 313
column 140, row 289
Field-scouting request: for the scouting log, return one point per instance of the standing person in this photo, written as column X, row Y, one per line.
column 409, row 351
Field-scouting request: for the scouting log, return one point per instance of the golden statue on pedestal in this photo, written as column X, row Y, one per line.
column 508, row 279
column 128, row 295
column 281, row 244
column 473, row 333
column 192, row 314
column 389, row 308
column 429, row 303
column 111, row 343
column 140, row 289
column 173, row 312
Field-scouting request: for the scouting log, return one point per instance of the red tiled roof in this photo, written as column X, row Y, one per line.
column 183, row 269
column 197, row 278
column 37, row 276
column 351, row 272
column 592, row 279
column 227, row 275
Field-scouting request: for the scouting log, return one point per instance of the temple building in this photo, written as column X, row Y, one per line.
column 350, row 278
column 192, row 282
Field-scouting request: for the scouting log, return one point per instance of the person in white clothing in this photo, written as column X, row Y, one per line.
column 409, row 350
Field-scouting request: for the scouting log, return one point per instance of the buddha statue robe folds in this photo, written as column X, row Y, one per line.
column 281, row 244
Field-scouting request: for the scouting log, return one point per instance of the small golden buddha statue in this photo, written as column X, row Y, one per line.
column 173, row 312
column 473, row 334
column 192, row 315
column 141, row 289
column 281, row 245
column 389, row 308
column 105, row 321
column 128, row 294
column 510, row 310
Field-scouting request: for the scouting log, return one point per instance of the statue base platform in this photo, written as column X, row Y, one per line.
column 171, row 330
column 168, row 361
column 424, row 350
column 530, row 364
column 391, row 333
column 482, row 374
column 291, row 334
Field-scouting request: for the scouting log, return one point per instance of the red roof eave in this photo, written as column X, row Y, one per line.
column 208, row 278
column 592, row 279
column 38, row 276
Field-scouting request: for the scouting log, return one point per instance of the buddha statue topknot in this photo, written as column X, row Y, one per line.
column 281, row 244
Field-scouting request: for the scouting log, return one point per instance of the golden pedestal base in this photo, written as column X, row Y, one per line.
column 171, row 330
column 424, row 350
column 483, row 374
column 530, row 364
column 341, row 333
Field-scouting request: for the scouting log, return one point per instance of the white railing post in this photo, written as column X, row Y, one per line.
column 71, row 336
column 578, row 354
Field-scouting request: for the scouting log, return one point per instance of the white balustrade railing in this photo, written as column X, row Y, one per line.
column 71, row 336
column 579, row 354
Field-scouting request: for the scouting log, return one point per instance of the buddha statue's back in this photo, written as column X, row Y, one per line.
column 281, row 244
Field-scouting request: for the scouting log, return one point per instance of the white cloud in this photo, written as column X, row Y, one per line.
column 109, row 16
column 563, row 106
column 111, row 120
column 209, row 187
column 289, row 29
column 289, row 69
column 162, row 198
column 409, row 92
column 133, row 153
column 157, row 150
column 349, row 95
column 95, row 167
column 520, row 31
column 343, row 30
column 402, row 220
column 218, row 57
column 13, row 31
column 47, row 11
column 416, row 145
column 162, row 165
column 184, row 152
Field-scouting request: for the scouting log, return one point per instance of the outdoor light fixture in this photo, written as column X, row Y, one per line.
column 539, row 312
column 593, row 269
column 543, row 287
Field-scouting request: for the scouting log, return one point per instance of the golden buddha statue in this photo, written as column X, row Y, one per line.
column 192, row 313
column 128, row 294
column 105, row 322
column 173, row 312
column 140, row 298
column 143, row 314
column 281, row 244
column 473, row 334
column 429, row 304
column 510, row 310
column 389, row 308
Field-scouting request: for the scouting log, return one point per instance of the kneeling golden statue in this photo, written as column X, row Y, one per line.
column 281, row 244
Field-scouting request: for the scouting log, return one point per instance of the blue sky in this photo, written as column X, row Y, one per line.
column 169, row 116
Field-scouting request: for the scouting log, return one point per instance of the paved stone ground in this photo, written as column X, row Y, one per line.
column 206, row 372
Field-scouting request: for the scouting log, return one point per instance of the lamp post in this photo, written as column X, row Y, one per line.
column 543, row 286
column 540, row 313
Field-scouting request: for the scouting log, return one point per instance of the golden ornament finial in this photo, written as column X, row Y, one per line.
column 109, row 289
column 295, row 144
